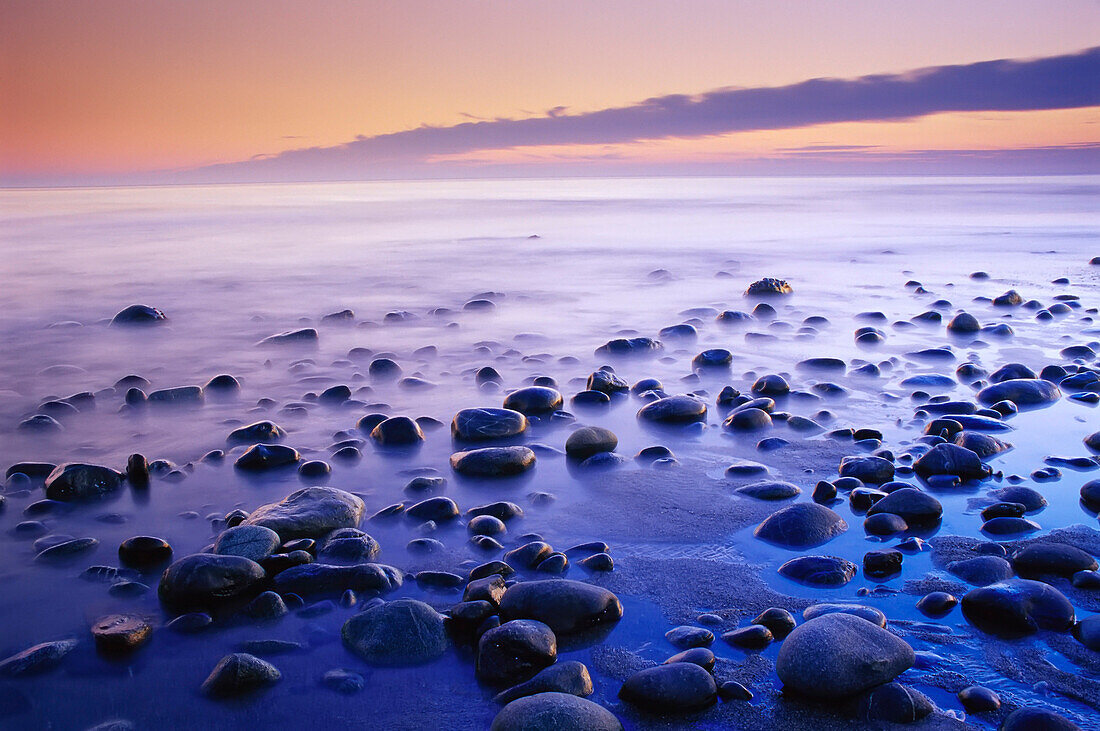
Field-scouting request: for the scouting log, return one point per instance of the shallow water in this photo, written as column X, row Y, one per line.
column 569, row 264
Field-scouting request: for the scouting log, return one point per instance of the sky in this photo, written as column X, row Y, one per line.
column 158, row 91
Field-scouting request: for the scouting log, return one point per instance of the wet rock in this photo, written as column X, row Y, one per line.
column 474, row 425
column 1051, row 559
column 605, row 381
column 770, row 490
column 768, row 286
column 144, row 551
column 238, row 674
column 964, row 323
column 1017, row 607
column 348, row 545
column 983, row 445
column 976, row 699
column 397, row 431
column 819, row 570
column 872, row 470
column 838, row 655
column 590, row 440
column 120, row 633
column 779, row 621
column 310, row 512
column 747, row 420
column 916, row 507
column 674, row 410
column 493, row 461
column 36, row 659
column 1037, row 719
column 731, row 690
column 802, row 525
column 981, row 570
column 1006, row 526
column 771, row 385
column 950, row 459
column 895, row 703
column 565, row 606
column 686, row 637
column 1087, row 632
column 204, row 580
column 264, row 432
column 882, row 563
column 253, row 542
column 570, row 677
column 754, row 637
column 78, row 481
column 1090, row 495
column 266, row 606
column 139, row 315
column 515, row 651
column 319, row 578
column 1021, row 391
column 636, row 346
column 676, row 688
column 713, row 358
column 554, row 711
column 403, row 632
column 534, row 400
column 262, row 457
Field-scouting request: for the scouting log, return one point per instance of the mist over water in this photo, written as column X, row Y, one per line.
column 569, row 264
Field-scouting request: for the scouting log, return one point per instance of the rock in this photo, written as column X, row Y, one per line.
column 606, row 382
column 1052, row 559
column 493, row 461
column 397, row 431
column 838, row 655
column 260, row 432
column 36, row 659
column 882, row 563
column 554, row 712
column 950, row 459
column 983, row 445
column 976, row 699
column 700, row 656
column 565, row 606
column 238, row 674
column 304, row 336
column 819, row 570
column 871, row 470
column 590, row 440
column 770, row 490
column 570, row 677
column 1011, row 298
column 320, row 578
column 78, row 481
column 753, row 637
column 139, row 315
column 475, row 425
column 779, row 621
column 120, row 633
column 676, row 688
column 311, row 512
column 144, row 551
column 1017, row 607
column 1037, row 719
column 1087, row 632
column 895, row 703
column 1005, row 526
column 981, row 570
column 204, row 580
column 674, row 410
column 964, row 323
column 262, row 457
column 403, row 632
column 747, row 419
column 253, row 542
column 731, row 690
column 348, row 545
column 179, row 396
column 515, row 651
column 1021, row 391
column 343, row 681
column 802, row 525
column 637, row 346
column 768, row 286
column 686, row 637
column 534, row 400
column 266, row 606
column 713, row 358
column 870, row 614
column 438, row 509
column 885, row 524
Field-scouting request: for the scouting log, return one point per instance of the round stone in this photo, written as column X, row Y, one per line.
column 674, row 410
column 533, row 400
column 590, row 440
column 493, row 461
column 554, row 712
column 802, row 525
column 204, row 579
column 475, row 425
column 1017, row 607
column 674, row 688
column 120, row 633
column 399, row 633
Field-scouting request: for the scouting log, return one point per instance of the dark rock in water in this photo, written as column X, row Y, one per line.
column 674, row 410
column 493, row 461
column 676, row 688
column 679, row 332
column 1011, row 372
column 731, row 690
column 397, row 431
column 1017, row 607
column 686, row 637
column 983, row 445
column 34, row 470
column 803, row 525
column 474, row 425
column 554, row 711
column 223, row 385
column 748, row 419
column 120, row 633
column 1051, row 559
column 770, row 490
column 838, row 655
column 824, row 492
column 77, row 481
column 319, row 578
column 144, row 551
column 1009, row 526
column 238, row 674
column 1020, row 391
column 304, row 336
column 570, row 677
column 534, row 400
column 1087, row 632
column 261, row 457
column 403, row 632
column 260, row 432
column 754, row 637
column 1002, row 510
column 1031, row 499
column 267, row 606
column 976, row 699
column 1090, row 495
column 36, row 659
column 204, row 580
column 771, row 385
column 964, row 323
column 951, row 459
column 936, row 604
column 590, row 399
column 1011, row 298
column 179, row 396
column 605, row 381
column 895, row 703
column 384, row 369
column 700, row 656
column 768, row 286
column 309, row 513
column 1092, row 441
column 253, row 542
column 872, row 470
column 882, row 563
column 981, row 570
column 63, row 548
column 819, row 570
column 343, row 681
column 41, row 423
column 917, row 508
column 823, row 364
column 190, row 623
column 779, row 621
column 139, row 315
column 515, row 651
column 314, row 469
column 565, row 606
column 713, row 358
column 633, row 346
column 1037, row 719
column 590, row 440
column 348, row 545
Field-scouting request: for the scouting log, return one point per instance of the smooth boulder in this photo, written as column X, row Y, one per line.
column 310, row 512
column 403, row 632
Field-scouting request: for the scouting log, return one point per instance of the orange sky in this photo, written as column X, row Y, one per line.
column 115, row 87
